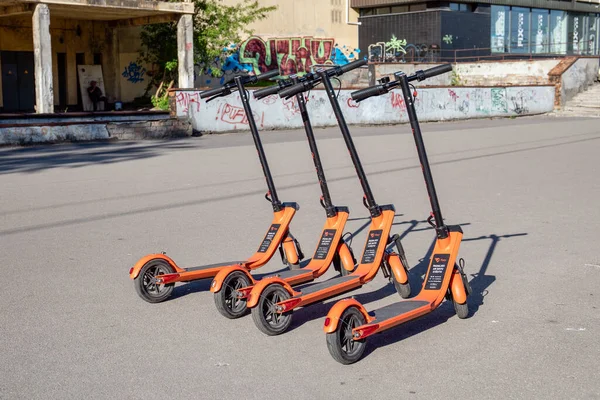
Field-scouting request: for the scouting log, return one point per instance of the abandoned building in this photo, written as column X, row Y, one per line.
column 45, row 43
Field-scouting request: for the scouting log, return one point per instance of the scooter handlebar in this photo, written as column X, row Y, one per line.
column 363, row 94
column 212, row 92
column 353, row 65
column 268, row 75
column 431, row 72
column 294, row 90
column 226, row 89
column 261, row 93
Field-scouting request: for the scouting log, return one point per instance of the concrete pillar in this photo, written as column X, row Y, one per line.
column 111, row 65
column 42, row 53
column 185, row 51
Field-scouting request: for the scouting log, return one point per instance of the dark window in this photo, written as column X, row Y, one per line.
column 383, row 10
column 417, row 7
column 365, row 12
column 399, row 9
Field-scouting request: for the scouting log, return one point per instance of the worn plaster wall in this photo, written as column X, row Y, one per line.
column 577, row 77
column 433, row 104
column 316, row 18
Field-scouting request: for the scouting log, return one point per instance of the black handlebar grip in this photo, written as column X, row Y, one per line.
column 294, row 90
column 261, row 93
column 268, row 75
column 353, row 65
column 211, row 92
column 363, row 94
column 440, row 69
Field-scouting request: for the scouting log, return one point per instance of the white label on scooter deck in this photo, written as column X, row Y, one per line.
column 268, row 238
column 439, row 263
column 370, row 252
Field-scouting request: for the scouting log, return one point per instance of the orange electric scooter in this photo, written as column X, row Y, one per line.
column 348, row 323
column 155, row 275
column 232, row 285
column 272, row 300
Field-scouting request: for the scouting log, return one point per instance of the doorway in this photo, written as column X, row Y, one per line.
column 61, row 59
column 18, row 81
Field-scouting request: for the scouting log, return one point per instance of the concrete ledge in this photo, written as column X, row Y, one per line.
column 433, row 104
column 69, row 131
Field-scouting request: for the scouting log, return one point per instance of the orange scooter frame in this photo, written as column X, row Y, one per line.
column 155, row 275
column 272, row 300
column 233, row 284
column 348, row 323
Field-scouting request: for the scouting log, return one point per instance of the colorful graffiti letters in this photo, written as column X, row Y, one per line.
column 291, row 55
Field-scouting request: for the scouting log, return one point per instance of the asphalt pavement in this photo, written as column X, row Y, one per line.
column 75, row 217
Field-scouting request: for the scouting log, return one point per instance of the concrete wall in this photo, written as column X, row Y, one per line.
column 500, row 73
column 577, row 77
column 307, row 18
column 433, row 104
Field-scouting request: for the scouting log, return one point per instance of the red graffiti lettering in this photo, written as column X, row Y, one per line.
column 272, row 99
column 398, row 101
column 452, row 94
column 233, row 115
column 352, row 103
column 236, row 115
column 290, row 55
column 186, row 99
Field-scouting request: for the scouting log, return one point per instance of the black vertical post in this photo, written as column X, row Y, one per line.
column 373, row 207
column 440, row 227
column 258, row 143
column 312, row 143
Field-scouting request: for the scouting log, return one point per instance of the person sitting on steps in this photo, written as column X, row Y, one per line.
column 96, row 94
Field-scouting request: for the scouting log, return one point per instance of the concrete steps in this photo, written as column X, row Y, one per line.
column 585, row 104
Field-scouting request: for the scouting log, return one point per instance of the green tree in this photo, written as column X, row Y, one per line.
column 218, row 29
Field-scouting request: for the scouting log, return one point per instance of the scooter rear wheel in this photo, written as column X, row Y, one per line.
column 341, row 344
column 145, row 282
column 226, row 300
column 265, row 317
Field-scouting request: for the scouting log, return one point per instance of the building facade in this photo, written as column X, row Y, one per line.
column 43, row 42
column 308, row 18
column 435, row 30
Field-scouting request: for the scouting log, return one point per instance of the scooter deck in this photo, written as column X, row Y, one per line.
column 218, row 265
column 395, row 309
column 286, row 273
column 327, row 284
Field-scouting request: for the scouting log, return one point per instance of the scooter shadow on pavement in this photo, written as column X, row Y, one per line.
column 479, row 283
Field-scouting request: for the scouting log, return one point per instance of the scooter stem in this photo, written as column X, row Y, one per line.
column 440, row 228
column 373, row 207
column 258, row 143
column 329, row 208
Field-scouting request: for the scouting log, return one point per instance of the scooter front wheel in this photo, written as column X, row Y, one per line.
column 462, row 310
column 265, row 316
column 145, row 283
column 341, row 344
column 227, row 302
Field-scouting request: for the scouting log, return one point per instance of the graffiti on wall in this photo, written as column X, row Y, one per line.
column 400, row 51
column 432, row 104
column 134, row 72
column 291, row 55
